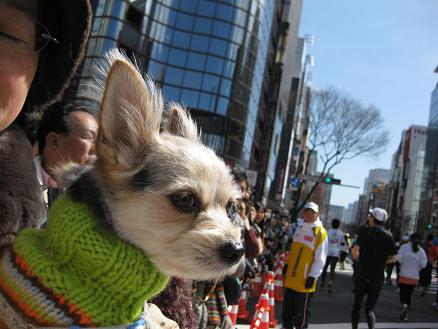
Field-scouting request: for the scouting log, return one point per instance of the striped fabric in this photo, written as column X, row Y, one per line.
column 26, row 294
column 9, row 319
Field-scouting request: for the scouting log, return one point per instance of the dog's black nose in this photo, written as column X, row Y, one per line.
column 231, row 252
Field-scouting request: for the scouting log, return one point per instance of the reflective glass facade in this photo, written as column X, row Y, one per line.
column 208, row 55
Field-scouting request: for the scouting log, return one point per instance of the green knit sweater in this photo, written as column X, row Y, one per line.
column 96, row 276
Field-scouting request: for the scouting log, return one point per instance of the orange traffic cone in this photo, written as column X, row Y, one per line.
column 279, row 283
column 264, row 324
column 272, row 321
column 243, row 313
column 257, row 319
column 262, row 311
column 269, row 277
column 232, row 311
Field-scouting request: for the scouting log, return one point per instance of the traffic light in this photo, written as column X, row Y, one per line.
column 429, row 226
column 331, row 180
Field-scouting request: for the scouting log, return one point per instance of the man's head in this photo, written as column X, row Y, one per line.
column 67, row 133
column 377, row 216
column 336, row 223
column 310, row 212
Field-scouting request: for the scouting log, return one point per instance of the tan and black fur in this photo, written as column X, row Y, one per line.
column 155, row 182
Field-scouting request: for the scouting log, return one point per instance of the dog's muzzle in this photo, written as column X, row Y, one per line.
column 231, row 252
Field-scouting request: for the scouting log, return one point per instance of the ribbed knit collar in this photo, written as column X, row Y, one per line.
column 96, row 277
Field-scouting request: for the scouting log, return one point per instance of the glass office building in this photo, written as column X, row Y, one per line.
column 428, row 222
column 208, row 55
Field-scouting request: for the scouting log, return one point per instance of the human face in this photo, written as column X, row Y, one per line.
column 252, row 212
column 78, row 144
column 309, row 216
column 241, row 208
column 244, row 189
column 17, row 69
column 260, row 216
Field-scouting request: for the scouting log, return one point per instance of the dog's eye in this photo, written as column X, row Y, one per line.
column 185, row 201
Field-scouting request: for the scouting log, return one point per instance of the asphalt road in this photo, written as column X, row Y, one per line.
column 332, row 310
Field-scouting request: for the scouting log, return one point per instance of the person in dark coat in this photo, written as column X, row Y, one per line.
column 374, row 248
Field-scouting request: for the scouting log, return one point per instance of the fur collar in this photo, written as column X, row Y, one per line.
column 21, row 199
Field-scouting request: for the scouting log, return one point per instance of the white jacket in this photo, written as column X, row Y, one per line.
column 411, row 262
column 335, row 238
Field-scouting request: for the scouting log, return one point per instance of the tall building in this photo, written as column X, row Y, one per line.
column 336, row 212
column 428, row 222
column 362, row 210
column 350, row 214
column 376, row 178
column 227, row 61
column 407, row 181
column 293, row 143
column 373, row 194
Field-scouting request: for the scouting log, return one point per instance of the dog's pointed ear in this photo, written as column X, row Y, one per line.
column 178, row 122
column 130, row 113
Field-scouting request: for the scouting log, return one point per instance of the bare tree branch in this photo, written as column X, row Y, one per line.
column 342, row 128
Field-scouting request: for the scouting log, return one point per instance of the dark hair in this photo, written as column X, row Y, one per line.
column 336, row 223
column 376, row 221
column 68, row 22
column 238, row 175
column 55, row 119
column 429, row 237
column 29, row 122
column 415, row 239
column 259, row 206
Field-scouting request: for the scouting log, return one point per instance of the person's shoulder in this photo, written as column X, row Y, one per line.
column 388, row 234
column 403, row 247
column 362, row 230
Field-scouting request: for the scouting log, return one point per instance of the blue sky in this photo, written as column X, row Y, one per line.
column 381, row 52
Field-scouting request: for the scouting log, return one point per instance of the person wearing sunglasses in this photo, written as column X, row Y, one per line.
column 41, row 45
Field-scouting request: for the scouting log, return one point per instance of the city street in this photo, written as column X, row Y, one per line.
column 333, row 310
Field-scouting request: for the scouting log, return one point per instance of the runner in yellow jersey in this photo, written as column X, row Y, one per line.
column 304, row 265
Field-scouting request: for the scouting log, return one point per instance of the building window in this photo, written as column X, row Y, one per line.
column 196, row 61
column 177, row 57
column 181, row 39
column 190, row 98
column 174, row 76
column 210, row 83
column 193, row 80
column 199, row 43
column 206, row 8
column 134, row 16
column 218, row 47
column 214, row 65
column 203, row 25
column 222, row 106
column 221, row 29
column 224, row 12
column 171, row 93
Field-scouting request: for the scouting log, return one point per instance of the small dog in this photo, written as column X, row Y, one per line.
column 157, row 200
